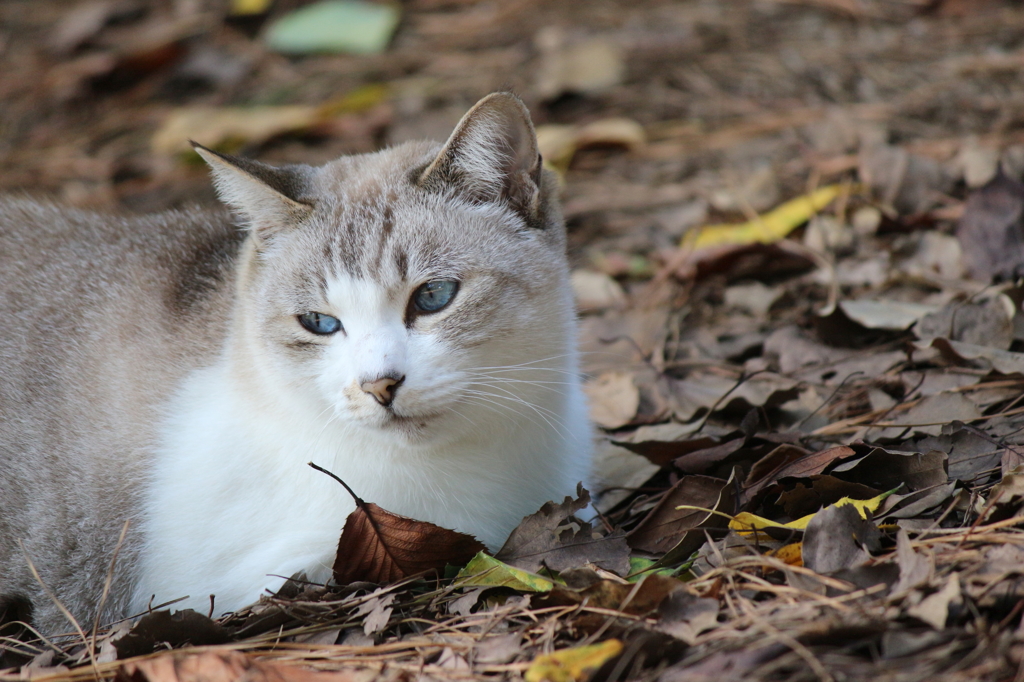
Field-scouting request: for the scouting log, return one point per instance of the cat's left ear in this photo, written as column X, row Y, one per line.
column 268, row 198
column 491, row 157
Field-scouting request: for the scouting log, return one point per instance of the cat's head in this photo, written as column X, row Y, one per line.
column 419, row 289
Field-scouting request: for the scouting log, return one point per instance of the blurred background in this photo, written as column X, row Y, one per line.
column 718, row 107
column 895, row 125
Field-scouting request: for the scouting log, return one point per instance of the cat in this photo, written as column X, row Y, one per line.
column 402, row 318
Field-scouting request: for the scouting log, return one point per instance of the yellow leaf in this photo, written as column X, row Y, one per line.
column 217, row 127
column 240, row 7
column 746, row 523
column 357, row 101
column 486, row 571
column 572, row 665
column 771, row 227
column 791, row 555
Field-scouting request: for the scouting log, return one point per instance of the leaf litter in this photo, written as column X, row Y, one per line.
column 796, row 266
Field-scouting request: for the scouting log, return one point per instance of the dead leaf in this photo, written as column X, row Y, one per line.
column 162, row 628
column 226, row 666
column 701, row 391
column 381, row 547
column 766, row 469
column 716, row 516
column 642, row 598
column 662, row 443
column 991, row 232
column 377, row 611
column 1006, row 497
column 929, row 415
column 907, row 182
column 614, row 399
column 987, row 322
column 498, row 649
column 753, row 297
column 916, row 569
column 822, row 492
column 558, row 144
column 583, row 67
column 935, row 608
column 665, row 526
column 758, row 191
column 548, row 539
column 684, row 615
column 886, row 314
column 916, row 503
column 972, row 355
column 596, row 291
column 452, row 661
column 886, row 469
column 970, row 453
column 815, row 463
column 737, row 262
column 217, row 127
column 838, row 538
column 936, row 255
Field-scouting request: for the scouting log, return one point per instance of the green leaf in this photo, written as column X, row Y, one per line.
column 335, row 26
column 486, row 571
column 640, row 566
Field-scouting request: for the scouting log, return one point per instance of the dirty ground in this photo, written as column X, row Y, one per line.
column 796, row 232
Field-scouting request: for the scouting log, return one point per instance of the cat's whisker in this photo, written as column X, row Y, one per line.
column 557, row 370
column 513, row 379
column 544, row 413
column 513, row 394
column 502, row 409
column 496, row 384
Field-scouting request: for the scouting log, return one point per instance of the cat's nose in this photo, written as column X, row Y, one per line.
column 383, row 389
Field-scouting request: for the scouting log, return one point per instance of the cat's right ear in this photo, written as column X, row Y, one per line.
column 268, row 198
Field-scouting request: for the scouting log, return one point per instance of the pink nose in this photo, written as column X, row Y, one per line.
column 383, row 389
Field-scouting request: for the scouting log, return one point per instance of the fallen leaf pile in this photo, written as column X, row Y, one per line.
column 797, row 238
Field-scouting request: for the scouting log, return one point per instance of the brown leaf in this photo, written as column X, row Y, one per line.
column 639, row 599
column 378, row 611
column 546, row 538
column 226, row 666
column 766, row 470
column 702, row 391
column 991, row 232
column 662, row 443
column 379, row 546
column 685, row 615
column 614, row 399
column 665, row 526
column 814, row 463
column 935, row 609
column 836, row 538
column 823, row 491
column 163, row 628
column 885, row 469
column 986, row 322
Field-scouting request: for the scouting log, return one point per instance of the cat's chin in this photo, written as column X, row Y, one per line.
column 414, row 429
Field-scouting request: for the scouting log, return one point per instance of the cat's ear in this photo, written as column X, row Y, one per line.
column 268, row 198
column 491, row 157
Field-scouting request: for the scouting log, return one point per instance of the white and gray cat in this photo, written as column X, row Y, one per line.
column 402, row 318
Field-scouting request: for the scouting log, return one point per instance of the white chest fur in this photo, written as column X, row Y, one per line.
column 233, row 508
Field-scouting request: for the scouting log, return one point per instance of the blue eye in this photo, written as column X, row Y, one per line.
column 318, row 323
column 434, row 295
